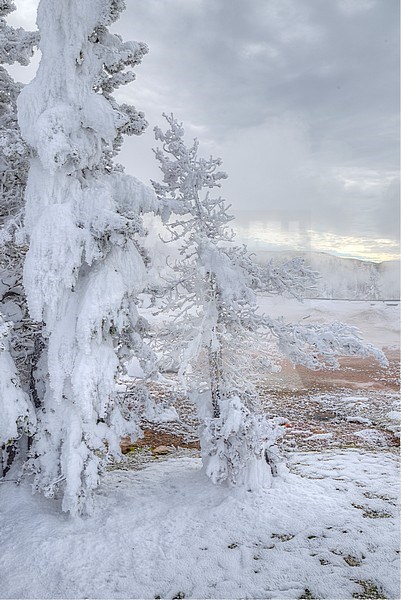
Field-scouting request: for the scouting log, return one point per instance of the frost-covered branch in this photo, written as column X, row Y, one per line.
column 320, row 346
column 292, row 278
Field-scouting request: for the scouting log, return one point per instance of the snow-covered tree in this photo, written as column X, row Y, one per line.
column 16, row 46
column 219, row 336
column 85, row 264
column 372, row 287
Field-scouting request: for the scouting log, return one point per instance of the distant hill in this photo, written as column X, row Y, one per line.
column 346, row 277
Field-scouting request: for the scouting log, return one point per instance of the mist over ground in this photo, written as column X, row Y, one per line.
column 346, row 278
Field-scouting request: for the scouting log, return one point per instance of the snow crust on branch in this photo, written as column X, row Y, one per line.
column 320, row 346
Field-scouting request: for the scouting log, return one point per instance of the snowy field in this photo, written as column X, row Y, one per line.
column 329, row 530
column 160, row 529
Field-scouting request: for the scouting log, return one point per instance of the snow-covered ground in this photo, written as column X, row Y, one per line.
column 328, row 531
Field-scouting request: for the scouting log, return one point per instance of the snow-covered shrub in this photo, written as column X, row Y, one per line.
column 86, row 263
column 237, row 445
column 217, row 335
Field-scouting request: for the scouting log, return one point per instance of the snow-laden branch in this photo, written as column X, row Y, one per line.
column 320, row 346
column 16, row 45
column 291, row 278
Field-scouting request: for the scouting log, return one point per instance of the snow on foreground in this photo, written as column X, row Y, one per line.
column 167, row 530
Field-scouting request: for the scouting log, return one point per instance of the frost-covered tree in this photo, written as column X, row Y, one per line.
column 219, row 336
column 373, row 288
column 85, row 264
column 16, row 46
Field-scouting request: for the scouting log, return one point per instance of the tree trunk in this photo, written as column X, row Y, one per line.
column 215, row 369
column 39, row 346
column 215, row 356
column 8, row 455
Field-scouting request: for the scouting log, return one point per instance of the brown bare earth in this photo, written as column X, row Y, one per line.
column 326, row 409
column 354, row 373
column 153, row 439
column 354, row 407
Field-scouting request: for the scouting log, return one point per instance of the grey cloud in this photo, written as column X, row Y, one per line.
column 299, row 97
column 386, row 215
column 233, row 66
column 337, row 68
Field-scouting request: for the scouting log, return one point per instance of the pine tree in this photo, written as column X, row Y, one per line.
column 17, row 353
column 86, row 263
column 219, row 336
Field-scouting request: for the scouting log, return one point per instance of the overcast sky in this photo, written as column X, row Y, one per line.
column 298, row 97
